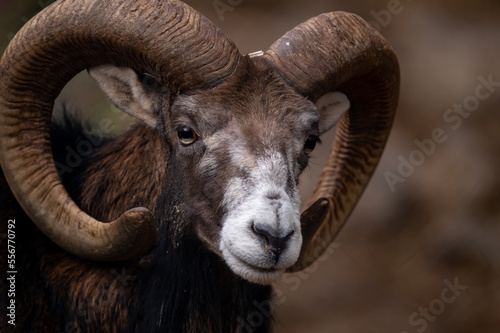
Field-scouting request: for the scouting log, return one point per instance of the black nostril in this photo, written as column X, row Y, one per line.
column 273, row 242
column 273, row 195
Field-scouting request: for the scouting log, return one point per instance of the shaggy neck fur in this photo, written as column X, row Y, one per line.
column 185, row 288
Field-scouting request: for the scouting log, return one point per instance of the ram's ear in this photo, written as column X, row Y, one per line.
column 331, row 107
column 131, row 92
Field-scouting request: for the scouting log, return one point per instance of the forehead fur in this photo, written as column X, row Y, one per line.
column 256, row 98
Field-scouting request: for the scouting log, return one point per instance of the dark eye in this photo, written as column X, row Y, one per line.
column 187, row 135
column 310, row 143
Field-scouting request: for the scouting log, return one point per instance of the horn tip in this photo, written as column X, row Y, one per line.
column 141, row 225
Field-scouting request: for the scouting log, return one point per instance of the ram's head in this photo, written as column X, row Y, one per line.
column 237, row 130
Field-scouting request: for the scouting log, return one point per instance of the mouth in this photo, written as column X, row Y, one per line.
column 252, row 272
column 257, row 268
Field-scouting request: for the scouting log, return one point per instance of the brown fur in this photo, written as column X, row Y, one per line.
column 97, row 292
column 141, row 172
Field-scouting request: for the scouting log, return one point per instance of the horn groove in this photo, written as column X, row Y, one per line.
column 166, row 39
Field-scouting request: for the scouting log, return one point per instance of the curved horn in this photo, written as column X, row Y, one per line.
column 166, row 39
column 341, row 52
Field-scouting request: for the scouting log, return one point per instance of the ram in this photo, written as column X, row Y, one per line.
column 182, row 223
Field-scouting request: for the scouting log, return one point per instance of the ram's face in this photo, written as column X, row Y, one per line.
column 236, row 153
column 240, row 152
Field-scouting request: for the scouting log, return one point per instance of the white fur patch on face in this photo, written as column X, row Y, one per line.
column 260, row 202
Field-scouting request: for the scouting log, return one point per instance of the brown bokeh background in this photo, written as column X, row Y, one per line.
column 405, row 244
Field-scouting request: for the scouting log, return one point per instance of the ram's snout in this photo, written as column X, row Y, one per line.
column 261, row 235
column 260, row 246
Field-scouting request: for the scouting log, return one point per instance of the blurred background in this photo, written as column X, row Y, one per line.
column 421, row 252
